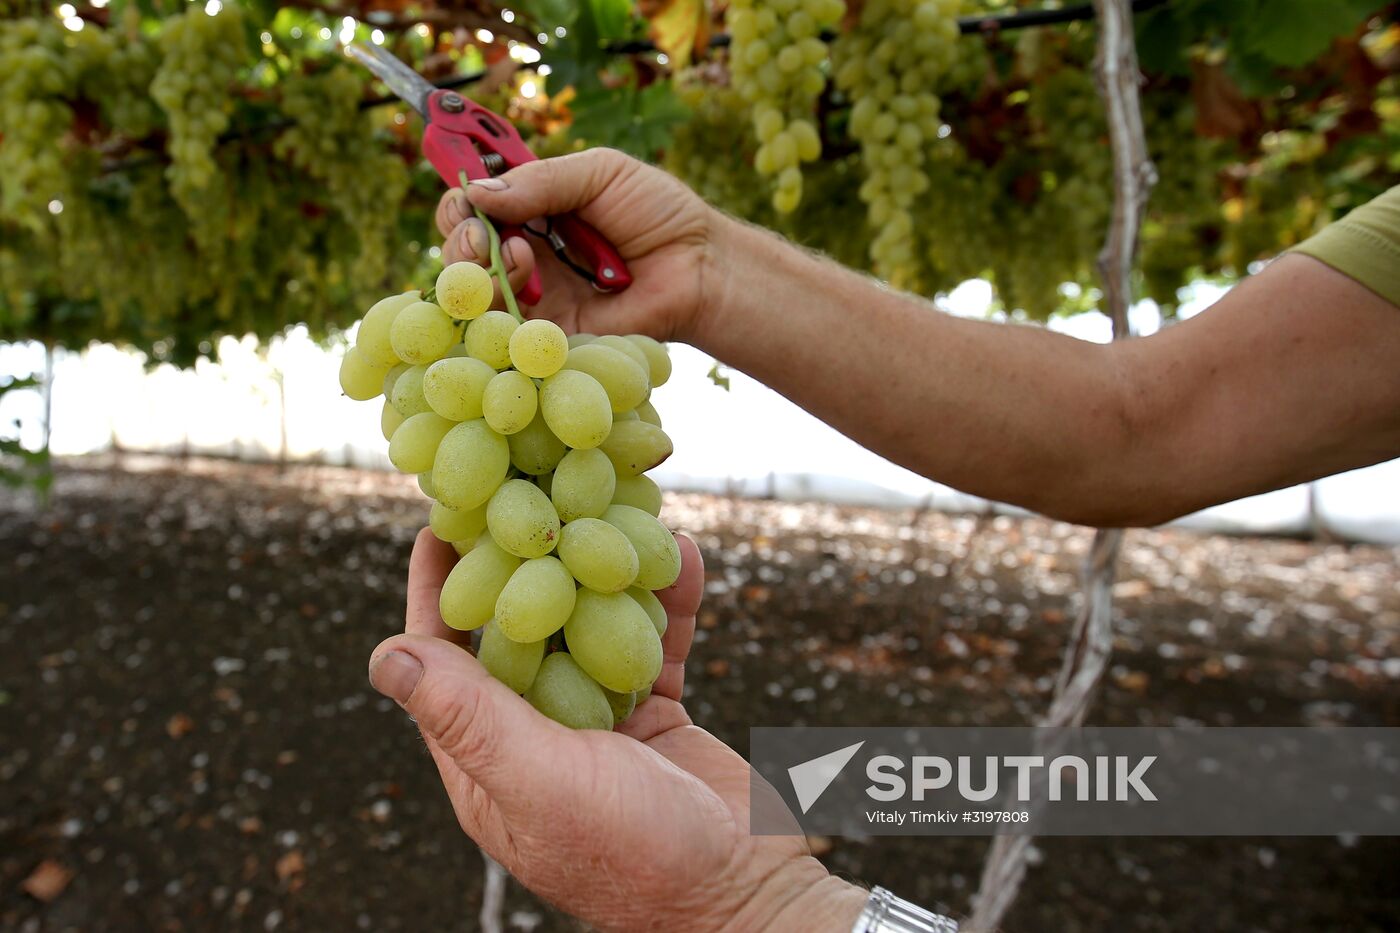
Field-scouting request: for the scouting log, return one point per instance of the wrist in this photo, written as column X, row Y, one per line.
column 732, row 248
column 802, row 895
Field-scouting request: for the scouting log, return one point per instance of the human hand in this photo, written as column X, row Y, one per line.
column 662, row 229
column 643, row 828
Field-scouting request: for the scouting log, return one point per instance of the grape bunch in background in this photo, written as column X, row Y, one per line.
column 777, row 56
column 534, row 447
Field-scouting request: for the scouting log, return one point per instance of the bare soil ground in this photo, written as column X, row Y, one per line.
column 188, row 740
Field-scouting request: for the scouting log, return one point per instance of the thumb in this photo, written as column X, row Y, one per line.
column 551, row 186
column 475, row 720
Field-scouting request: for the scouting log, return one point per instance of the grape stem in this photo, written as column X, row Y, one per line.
column 498, row 266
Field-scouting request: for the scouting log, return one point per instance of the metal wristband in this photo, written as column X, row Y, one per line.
column 885, row 913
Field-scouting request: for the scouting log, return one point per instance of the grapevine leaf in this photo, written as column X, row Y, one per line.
column 613, row 18
column 638, row 122
column 1296, row 31
column 548, row 14
column 678, row 27
column 1162, row 40
column 263, row 12
column 576, row 59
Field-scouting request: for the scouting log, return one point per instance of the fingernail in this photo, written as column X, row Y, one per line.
column 395, row 675
column 489, row 184
column 477, row 240
column 458, row 208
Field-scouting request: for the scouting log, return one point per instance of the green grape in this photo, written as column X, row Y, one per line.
column 546, row 483
column 408, row 397
column 389, row 420
column 576, row 408
column 463, row 548
column 469, row 594
column 647, row 413
column 512, row 663
column 464, row 290
column 636, row 446
column 537, row 600
column 625, row 416
column 421, row 333
column 453, row 387
column 658, row 555
column 658, row 358
column 582, row 485
column 391, row 379
column 630, row 350
column 622, row 379
column 425, row 484
column 785, row 200
column 488, row 338
column 471, row 463
column 599, row 555
column 642, row 694
column 611, row 638
column 578, row 340
column 535, row 450
column 564, row 693
column 640, row 492
column 372, row 339
column 360, row 378
column 522, row 519
column 538, row 348
column 768, row 123
column 415, row 443
column 457, row 524
column 622, row 704
column 510, row 402
column 651, row 606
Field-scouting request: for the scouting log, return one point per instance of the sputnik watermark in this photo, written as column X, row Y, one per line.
column 1115, row 777
column 1076, row 781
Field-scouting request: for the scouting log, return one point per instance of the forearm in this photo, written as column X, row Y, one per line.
column 1290, row 377
column 1016, row 414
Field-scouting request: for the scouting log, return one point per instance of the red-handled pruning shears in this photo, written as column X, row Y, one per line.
column 463, row 136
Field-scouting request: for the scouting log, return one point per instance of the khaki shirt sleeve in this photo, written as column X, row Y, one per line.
column 1364, row 245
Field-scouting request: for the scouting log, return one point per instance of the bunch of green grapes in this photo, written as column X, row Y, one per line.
column 202, row 58
column 534, row 447
column 333, row 141
column 116, row 68
column 776, row 59
column 889, row 65
column 709, row 151
column 36, row 81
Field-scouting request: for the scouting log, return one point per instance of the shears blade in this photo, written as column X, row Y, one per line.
column 398, row 77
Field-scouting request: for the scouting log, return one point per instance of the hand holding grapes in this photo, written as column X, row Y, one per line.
column 662, row 229
column 639, row 829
